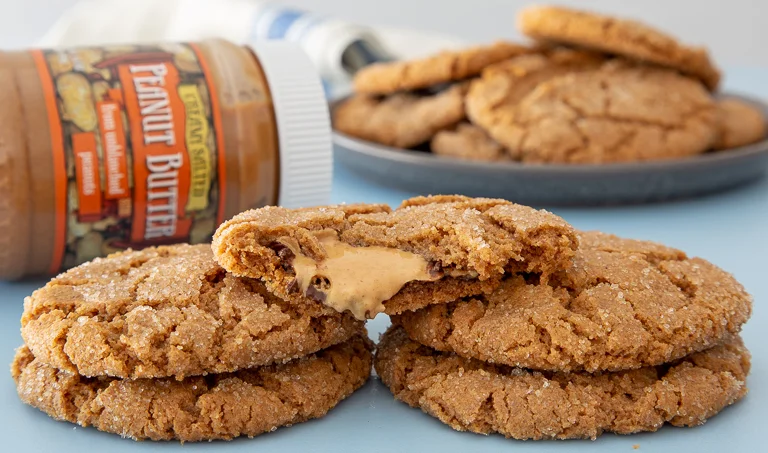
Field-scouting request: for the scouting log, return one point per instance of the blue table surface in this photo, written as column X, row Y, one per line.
column 729, row 229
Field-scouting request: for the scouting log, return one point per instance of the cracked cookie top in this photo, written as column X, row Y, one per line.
column 402, row 120
column 170, row 311
column 492, row 99
column 470, row 395
column 623, row 37
column 448, row 66
column 464, row 245
column 617, row 113
column 624, row 304
column 218, row 406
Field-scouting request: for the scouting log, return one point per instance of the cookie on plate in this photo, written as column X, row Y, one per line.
column 170, row 311
column 623, row 37
column 402, row 120
column 623, row 305
column 467, row 142
column 492, row 99
column 369, row 258
column 740, row 124
column 470, row 395
column 218, row 406
column 448, row 66
column 618, row 113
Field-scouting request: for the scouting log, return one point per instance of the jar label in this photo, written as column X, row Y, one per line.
column 137, row 142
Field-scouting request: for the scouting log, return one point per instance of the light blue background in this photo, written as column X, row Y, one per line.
column 730, row 229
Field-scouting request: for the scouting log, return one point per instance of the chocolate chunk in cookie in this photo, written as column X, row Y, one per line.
column 401, row 120
column 623, row 305
column 623, row 37
column 470, row 395
column 170, row 311
column 218, row 406
column 740, row 124
column 429, row 250
column 448, row 66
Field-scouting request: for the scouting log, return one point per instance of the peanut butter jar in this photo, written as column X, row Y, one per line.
column 108, row 148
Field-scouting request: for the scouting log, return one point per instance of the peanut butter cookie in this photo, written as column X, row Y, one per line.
column 470, row 395
column 624, row 304
column 170, row 311
column 618, row 113
column 402, row 120
column 467, row 142
column 492, row 100
column 218, row 406
column 741, row 124
column 449, row 66
column 369, row 258
column 623, row 37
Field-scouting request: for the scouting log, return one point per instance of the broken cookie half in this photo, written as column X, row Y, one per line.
column 369, row 259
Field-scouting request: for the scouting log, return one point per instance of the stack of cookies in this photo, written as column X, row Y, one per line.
column 505, row 319
column 165, row 344
column 591, row 89
column 628, row 336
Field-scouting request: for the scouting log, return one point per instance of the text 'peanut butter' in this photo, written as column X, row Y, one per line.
column 109, row 148
column 358, row 279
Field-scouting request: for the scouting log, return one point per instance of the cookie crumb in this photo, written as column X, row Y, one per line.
column 636, row 447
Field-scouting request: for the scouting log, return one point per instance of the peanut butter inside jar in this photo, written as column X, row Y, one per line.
column 108, row 148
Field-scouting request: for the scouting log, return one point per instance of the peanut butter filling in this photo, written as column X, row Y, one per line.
column 358, row 279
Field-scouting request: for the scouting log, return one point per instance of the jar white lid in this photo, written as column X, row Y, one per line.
column 303, row 124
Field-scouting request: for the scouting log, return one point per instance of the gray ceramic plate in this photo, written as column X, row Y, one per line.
column 557, row 184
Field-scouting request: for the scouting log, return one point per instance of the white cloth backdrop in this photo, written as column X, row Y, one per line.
column 735, row 30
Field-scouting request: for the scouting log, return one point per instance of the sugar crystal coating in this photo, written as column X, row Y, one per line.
column 478, row 238
column 470, row 395
column 219, row 406
column 623, row 304
column 170, row 311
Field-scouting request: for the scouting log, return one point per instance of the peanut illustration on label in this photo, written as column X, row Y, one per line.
column 140, row 147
